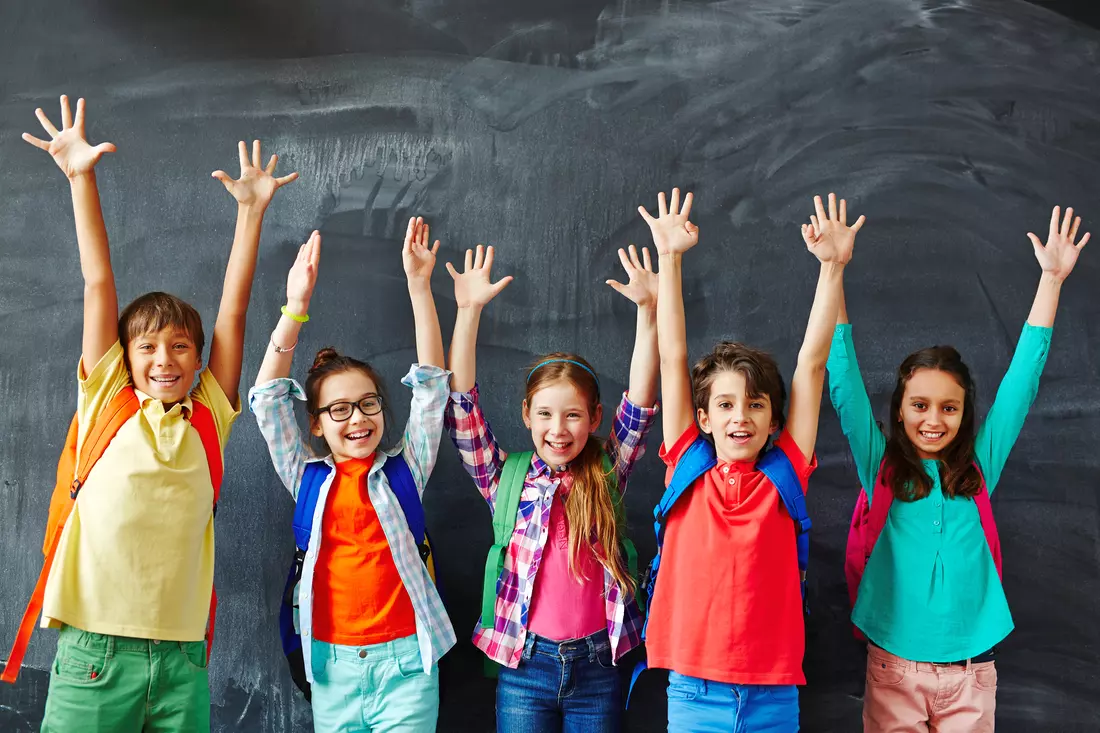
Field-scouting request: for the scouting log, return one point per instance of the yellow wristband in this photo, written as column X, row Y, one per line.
column 294, row 316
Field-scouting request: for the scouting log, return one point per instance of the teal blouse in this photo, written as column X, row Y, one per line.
column 930, row 591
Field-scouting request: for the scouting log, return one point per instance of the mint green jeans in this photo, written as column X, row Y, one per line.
column 377, row 688
column 116, row 684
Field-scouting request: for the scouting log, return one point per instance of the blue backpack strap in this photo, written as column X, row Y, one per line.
column 305, row 505
column 778, row 468
column 695, row 462
column 403, row 487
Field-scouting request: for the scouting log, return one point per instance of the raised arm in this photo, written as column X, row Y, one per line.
column 300, row 282
column 641, row 289
column 419, row 261
column 1057, row 259
column 473, row 291
column 831, row 240
column 77, row 160
column 673, row 234
column 1020, row 384
column 253, row 192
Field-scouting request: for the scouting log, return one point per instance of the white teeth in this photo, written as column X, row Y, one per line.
column 557, row 446
column 932, row 436
column 740, row 435
column 358, row 436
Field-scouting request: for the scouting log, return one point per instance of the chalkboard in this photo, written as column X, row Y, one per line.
column 539, row 126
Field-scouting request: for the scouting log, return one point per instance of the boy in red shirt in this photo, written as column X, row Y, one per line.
column 734, row 650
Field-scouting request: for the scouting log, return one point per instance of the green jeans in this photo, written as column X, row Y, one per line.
column 116, row 684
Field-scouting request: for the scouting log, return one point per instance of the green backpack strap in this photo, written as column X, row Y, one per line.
column 630, row 553
column 509, row 489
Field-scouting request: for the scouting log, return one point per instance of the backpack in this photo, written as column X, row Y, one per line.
column 869, row 519
column 699, row 458
column 404, row 489
column 512, row 477
column 71, row 475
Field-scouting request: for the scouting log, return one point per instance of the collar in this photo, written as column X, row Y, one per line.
column 185, row 404
column 737, row 467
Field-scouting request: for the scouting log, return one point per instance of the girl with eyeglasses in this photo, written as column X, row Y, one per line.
column 371, row 621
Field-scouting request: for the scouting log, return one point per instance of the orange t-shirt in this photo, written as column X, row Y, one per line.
column 728, row 602
column 358, row 596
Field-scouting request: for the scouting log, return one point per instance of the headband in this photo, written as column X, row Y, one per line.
column 540, row 365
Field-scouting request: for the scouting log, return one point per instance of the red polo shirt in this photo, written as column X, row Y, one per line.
column 728, row 602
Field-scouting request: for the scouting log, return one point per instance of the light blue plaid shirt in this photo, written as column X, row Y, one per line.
column 273, row 405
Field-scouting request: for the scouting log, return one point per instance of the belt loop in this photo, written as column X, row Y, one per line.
column 110, row 646
column 591, row 648
column 969, row 666
column 528, row 647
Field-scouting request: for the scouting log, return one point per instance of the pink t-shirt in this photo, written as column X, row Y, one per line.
column 563, row 607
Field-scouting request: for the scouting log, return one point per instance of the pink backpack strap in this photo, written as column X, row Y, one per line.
column 989, row 524
column 881, row 501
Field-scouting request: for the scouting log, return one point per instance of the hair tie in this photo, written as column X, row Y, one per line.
column 540, row 365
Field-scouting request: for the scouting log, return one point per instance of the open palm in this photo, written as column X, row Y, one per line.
column 1060, row 254
column 416, row 256
column 473, row 286
column 303, row 274
column 257, row 184
column 68, row 146
column 673, row 232
column 641, row 285
column 828, row 236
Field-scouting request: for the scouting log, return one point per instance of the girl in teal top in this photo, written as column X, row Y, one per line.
column 930, row 591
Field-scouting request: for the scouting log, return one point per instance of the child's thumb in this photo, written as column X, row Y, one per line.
column 451, row 269
column 104, row 148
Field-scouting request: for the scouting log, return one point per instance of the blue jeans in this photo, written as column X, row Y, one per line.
column 561, row 687
column 700, row 706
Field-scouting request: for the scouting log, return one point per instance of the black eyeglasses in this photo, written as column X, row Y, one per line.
column 341, row 411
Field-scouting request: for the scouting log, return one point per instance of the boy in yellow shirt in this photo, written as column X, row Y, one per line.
column 132, row 578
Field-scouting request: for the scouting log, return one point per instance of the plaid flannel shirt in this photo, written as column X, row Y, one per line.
column 273, row 405
column 483, row 460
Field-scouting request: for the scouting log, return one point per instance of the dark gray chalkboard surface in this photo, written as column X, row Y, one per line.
column 539, row 126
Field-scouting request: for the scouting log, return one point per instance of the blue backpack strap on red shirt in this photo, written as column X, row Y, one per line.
column 699, row 458
column 780, row 471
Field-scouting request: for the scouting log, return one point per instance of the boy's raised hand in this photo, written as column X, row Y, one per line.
column 257, row 184
column 672, row 232
column 68, row 146
column 416, row 256
column 829, row 237
column 1059, row 255
column 641, row 286
column 303, row 275
column 472, row 285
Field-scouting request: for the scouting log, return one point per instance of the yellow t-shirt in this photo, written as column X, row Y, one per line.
column 136, row 557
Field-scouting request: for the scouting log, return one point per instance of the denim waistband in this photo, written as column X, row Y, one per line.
column 368, row 652
column 583, row 648
column 117, row 644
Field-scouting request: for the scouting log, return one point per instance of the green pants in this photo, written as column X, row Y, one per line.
column 115, row 684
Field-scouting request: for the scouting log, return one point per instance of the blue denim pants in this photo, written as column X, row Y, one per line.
column 561, row 687
column 702, row 706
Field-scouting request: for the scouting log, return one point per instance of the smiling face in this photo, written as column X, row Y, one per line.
column 560, row 420
column 931, row 410
column 740, row 423
column 163, row 363
column 359, row 435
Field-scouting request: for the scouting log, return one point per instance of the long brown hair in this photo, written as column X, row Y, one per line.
column 589, row 508
column 328, row 362
column 905, row 472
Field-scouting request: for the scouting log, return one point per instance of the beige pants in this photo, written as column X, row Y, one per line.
column 907, row 697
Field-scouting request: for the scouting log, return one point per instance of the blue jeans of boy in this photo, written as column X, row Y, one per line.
column 701, row 706
column 561, row 687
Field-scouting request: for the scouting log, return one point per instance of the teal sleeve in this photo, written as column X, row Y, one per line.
column 1006, row 417
column 853, row 406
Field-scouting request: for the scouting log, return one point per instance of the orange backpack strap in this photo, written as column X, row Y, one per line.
column 70, row 478
column 203, row 421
